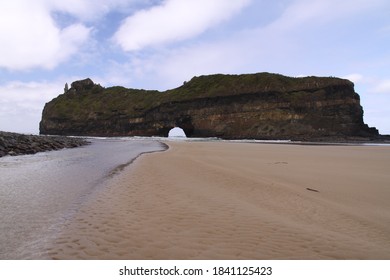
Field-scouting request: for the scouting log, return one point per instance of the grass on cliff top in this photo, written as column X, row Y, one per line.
column 223, row 85
column 119, row 100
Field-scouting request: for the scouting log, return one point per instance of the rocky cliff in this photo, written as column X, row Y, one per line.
column 251, row 106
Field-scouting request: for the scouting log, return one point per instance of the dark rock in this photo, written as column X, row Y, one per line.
column 14, row 144
column 253, row 106
column 82, row 85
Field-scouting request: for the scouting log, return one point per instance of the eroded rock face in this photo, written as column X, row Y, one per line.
column 83, row 84
column 253, row 106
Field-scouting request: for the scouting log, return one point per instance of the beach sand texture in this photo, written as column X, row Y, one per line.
column 223, row 200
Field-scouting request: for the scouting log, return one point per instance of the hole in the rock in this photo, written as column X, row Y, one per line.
column 177, row 132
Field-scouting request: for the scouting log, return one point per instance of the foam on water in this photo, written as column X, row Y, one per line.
column 40, row 192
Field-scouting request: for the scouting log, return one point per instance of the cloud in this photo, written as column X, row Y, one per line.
column 370, row 84
column 316, row 12
column 45, row 33
column 93, row 10
column 355, row 77
column 21, row 104
column 174, row 21
column 314, row 37
column 30, row 38
column 293, row 42
column 382, row 87
column 169, row 68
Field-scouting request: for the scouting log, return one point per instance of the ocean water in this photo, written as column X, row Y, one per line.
column 39, row 193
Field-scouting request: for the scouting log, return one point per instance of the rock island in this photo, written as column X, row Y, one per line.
column 248, row 106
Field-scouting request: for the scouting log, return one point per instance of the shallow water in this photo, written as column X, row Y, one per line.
column 38, row 193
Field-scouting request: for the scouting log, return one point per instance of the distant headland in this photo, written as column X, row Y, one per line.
column 249, row 106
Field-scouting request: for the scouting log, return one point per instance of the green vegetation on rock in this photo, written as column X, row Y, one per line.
column 227, row 106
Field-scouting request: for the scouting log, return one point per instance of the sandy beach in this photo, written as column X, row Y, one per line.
column 224, row 200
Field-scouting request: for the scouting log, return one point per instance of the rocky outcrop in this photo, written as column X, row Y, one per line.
column 84, row 86
column 252, row 106
column 14, row 144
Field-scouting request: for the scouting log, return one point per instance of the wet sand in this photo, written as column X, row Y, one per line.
column 40, row 192
column 220, row 200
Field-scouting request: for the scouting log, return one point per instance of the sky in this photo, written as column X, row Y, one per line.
column 159, row 44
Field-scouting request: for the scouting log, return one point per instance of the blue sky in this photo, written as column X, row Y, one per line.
column 159, row 44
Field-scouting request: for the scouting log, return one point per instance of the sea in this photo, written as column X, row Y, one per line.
column 39, row 193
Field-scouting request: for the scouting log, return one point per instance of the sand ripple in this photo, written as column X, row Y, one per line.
column 238, row 201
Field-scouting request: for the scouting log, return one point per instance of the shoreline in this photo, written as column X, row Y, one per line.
column 16, row 144
column 40, row 193
column 220, row 200
column 120, row 168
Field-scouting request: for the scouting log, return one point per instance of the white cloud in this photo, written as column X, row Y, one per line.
column 382, row 87
column 30, row 38
column 173, row 21
column 315, row 12
column 21, row 104
column 169, row 68
column 282, row 46
column 355, row 77
column 91, row 10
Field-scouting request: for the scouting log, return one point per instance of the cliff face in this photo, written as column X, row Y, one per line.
column 253, row 106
